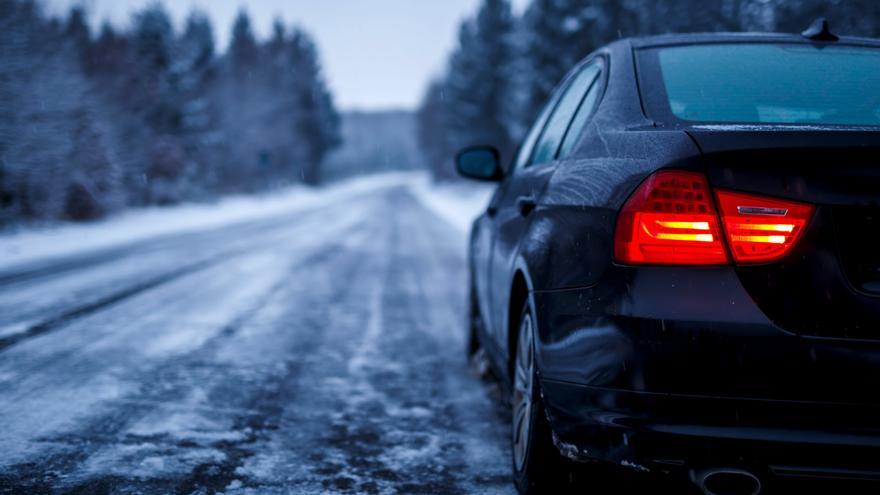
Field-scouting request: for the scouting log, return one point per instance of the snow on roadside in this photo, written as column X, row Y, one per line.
column 458, row 203
column 30, row 245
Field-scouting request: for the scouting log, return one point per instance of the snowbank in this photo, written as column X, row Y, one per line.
column 458, row 204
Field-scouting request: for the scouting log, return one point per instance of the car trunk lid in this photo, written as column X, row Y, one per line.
column 829, row 286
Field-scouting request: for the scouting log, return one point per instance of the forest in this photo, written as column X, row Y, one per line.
column 506, row 65
column 96, row 122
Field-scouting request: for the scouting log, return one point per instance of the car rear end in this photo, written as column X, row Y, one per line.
column 738, row 328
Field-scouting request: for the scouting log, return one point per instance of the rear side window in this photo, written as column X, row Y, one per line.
column 559, row 121
column 768, row 83
column 524, row 154
column 584, row 112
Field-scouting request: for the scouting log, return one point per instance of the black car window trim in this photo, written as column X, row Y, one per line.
column 601, row 80
column 558, row 94
column 643, row 104
column 652, row 90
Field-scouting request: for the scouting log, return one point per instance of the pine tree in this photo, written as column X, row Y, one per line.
column 432, row 125
column 77, row 31
column 478, row 85
column 199, row 118
column 243, row 49
column 234, row 95
column 153, row 38
column 158, row 106
column 557, row 34
column 318, row 122
column 198, row 41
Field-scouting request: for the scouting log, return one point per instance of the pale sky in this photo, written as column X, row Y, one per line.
column 376, row 53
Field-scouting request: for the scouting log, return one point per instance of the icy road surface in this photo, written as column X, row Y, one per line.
column 311, row 352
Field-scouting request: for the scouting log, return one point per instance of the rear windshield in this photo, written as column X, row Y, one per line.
column 765, row 83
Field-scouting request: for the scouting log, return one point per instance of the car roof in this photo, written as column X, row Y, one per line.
column 707, row 38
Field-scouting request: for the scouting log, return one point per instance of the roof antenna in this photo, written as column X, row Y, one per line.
column 819, row 30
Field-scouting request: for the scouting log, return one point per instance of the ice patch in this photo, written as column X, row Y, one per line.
column 187, row 425
column 402, row 456
column 147, row 460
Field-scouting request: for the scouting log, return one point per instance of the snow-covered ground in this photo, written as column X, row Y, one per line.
column 457, row 203
column 311, row 342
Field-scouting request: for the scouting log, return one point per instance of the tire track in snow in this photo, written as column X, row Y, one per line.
column 167, row 383
column 350, row 378
column 184, row 268
column 56, row 266
column 67, row 316
column 384, row 416
column 102, row 430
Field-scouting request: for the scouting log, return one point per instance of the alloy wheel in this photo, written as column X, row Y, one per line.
column 524, row 372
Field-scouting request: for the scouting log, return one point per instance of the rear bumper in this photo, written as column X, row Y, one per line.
column 667, row 432
column 693, row 332
column 669, row 369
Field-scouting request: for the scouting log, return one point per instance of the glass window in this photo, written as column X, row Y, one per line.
column 584, row 112
column 528, row 145
column 772, row 83
column 558, row 123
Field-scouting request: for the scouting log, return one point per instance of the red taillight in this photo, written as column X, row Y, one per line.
column 670, row 220
column 761, row 229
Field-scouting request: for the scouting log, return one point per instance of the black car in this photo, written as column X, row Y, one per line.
column 679, row 272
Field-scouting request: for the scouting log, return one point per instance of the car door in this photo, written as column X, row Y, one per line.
column 483, row 237
column 518, row 194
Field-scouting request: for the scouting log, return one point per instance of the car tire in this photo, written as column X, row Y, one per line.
column 473, row 323
column 538, row 466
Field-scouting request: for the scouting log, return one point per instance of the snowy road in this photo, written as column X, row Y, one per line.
column 311, row 352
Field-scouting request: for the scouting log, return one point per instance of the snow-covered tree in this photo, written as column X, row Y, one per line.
column 432, row 123
column 478, row 86
column 145, row 115
column 157, row 106
column 317, row 120
column 195, row 74
column 54, row 160
column 556, row 34
column 76, row 30
column 243, row 49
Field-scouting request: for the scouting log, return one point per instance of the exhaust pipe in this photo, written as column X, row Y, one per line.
column 726, row 481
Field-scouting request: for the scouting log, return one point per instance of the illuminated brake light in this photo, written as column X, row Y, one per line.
column 769, row 239
column 670, row 220
column 685, row 225
column 761, row 229
column 768, row 227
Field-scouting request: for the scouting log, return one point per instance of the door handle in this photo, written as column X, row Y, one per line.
column 526, row 205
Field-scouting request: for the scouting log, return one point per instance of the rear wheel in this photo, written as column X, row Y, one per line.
column 476, row 354
column 537, row 465
column 473, row 323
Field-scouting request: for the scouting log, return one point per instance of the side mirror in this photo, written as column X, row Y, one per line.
column 480, row 163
